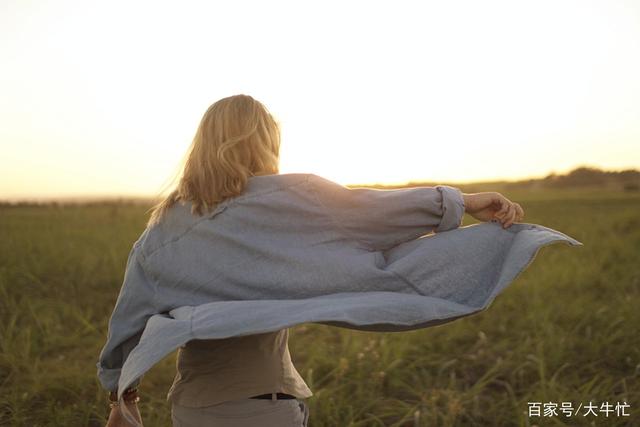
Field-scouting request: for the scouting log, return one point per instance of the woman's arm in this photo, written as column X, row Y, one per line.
column 134, row 306
column 381, row 219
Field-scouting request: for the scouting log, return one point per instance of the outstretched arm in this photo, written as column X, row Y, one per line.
column 380, row 219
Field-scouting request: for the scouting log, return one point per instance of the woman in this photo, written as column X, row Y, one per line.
column 329, row 241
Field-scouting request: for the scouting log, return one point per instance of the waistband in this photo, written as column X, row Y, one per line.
column 273, row 396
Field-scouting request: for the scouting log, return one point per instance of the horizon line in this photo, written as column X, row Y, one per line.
column 139, row 197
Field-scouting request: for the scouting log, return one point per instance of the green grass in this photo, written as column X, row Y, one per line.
column 567, row 330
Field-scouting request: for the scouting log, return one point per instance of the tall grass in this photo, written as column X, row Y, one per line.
column 567, row 330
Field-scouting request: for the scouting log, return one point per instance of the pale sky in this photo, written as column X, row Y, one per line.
column 103, row 98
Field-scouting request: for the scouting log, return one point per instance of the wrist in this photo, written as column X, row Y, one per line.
column 129, row 397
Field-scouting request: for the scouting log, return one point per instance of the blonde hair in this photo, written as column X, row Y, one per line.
column 237, row 138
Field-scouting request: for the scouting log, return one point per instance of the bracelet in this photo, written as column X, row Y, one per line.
column 131, row 391
column 116, row 403
column 130, row 395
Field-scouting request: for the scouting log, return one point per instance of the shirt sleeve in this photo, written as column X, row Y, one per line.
column 134, row 306
column 381, row 219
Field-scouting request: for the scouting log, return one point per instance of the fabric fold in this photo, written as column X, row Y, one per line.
column 452, row 208
column 444, row 289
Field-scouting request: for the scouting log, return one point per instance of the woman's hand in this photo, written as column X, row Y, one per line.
column 491, row 205
column 116, row 419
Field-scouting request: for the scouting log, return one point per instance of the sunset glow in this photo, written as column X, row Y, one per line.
column 103, row 98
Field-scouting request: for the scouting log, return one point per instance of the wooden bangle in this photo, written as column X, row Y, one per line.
column 114, row 404
column 128, row 395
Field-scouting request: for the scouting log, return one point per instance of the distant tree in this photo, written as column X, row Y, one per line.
column 585, row 176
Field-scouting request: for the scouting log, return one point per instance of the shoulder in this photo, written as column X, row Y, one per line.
column 179, row 221
column 266, row 183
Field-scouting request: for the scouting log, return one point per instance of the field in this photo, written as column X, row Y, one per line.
column 567, row 330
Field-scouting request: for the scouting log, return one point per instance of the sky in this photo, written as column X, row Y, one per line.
column 103, row 98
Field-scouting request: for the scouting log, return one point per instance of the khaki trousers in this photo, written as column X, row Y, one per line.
column 243, row 413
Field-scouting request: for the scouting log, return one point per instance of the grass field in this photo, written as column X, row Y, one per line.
column 567, row 330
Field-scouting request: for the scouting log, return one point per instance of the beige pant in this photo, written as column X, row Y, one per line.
column 244, row 413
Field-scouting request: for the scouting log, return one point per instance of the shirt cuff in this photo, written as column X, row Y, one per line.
column 109, row 378
column 452, row 208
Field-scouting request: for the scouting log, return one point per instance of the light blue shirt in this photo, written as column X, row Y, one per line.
column 296, row 248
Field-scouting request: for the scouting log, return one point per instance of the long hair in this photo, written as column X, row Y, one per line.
column 237, row 138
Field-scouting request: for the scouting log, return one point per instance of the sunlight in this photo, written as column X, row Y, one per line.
column 105, row 98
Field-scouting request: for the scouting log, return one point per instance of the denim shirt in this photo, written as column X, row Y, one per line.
column 296, row 248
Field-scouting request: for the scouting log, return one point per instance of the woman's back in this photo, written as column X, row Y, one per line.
column 290, row 236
